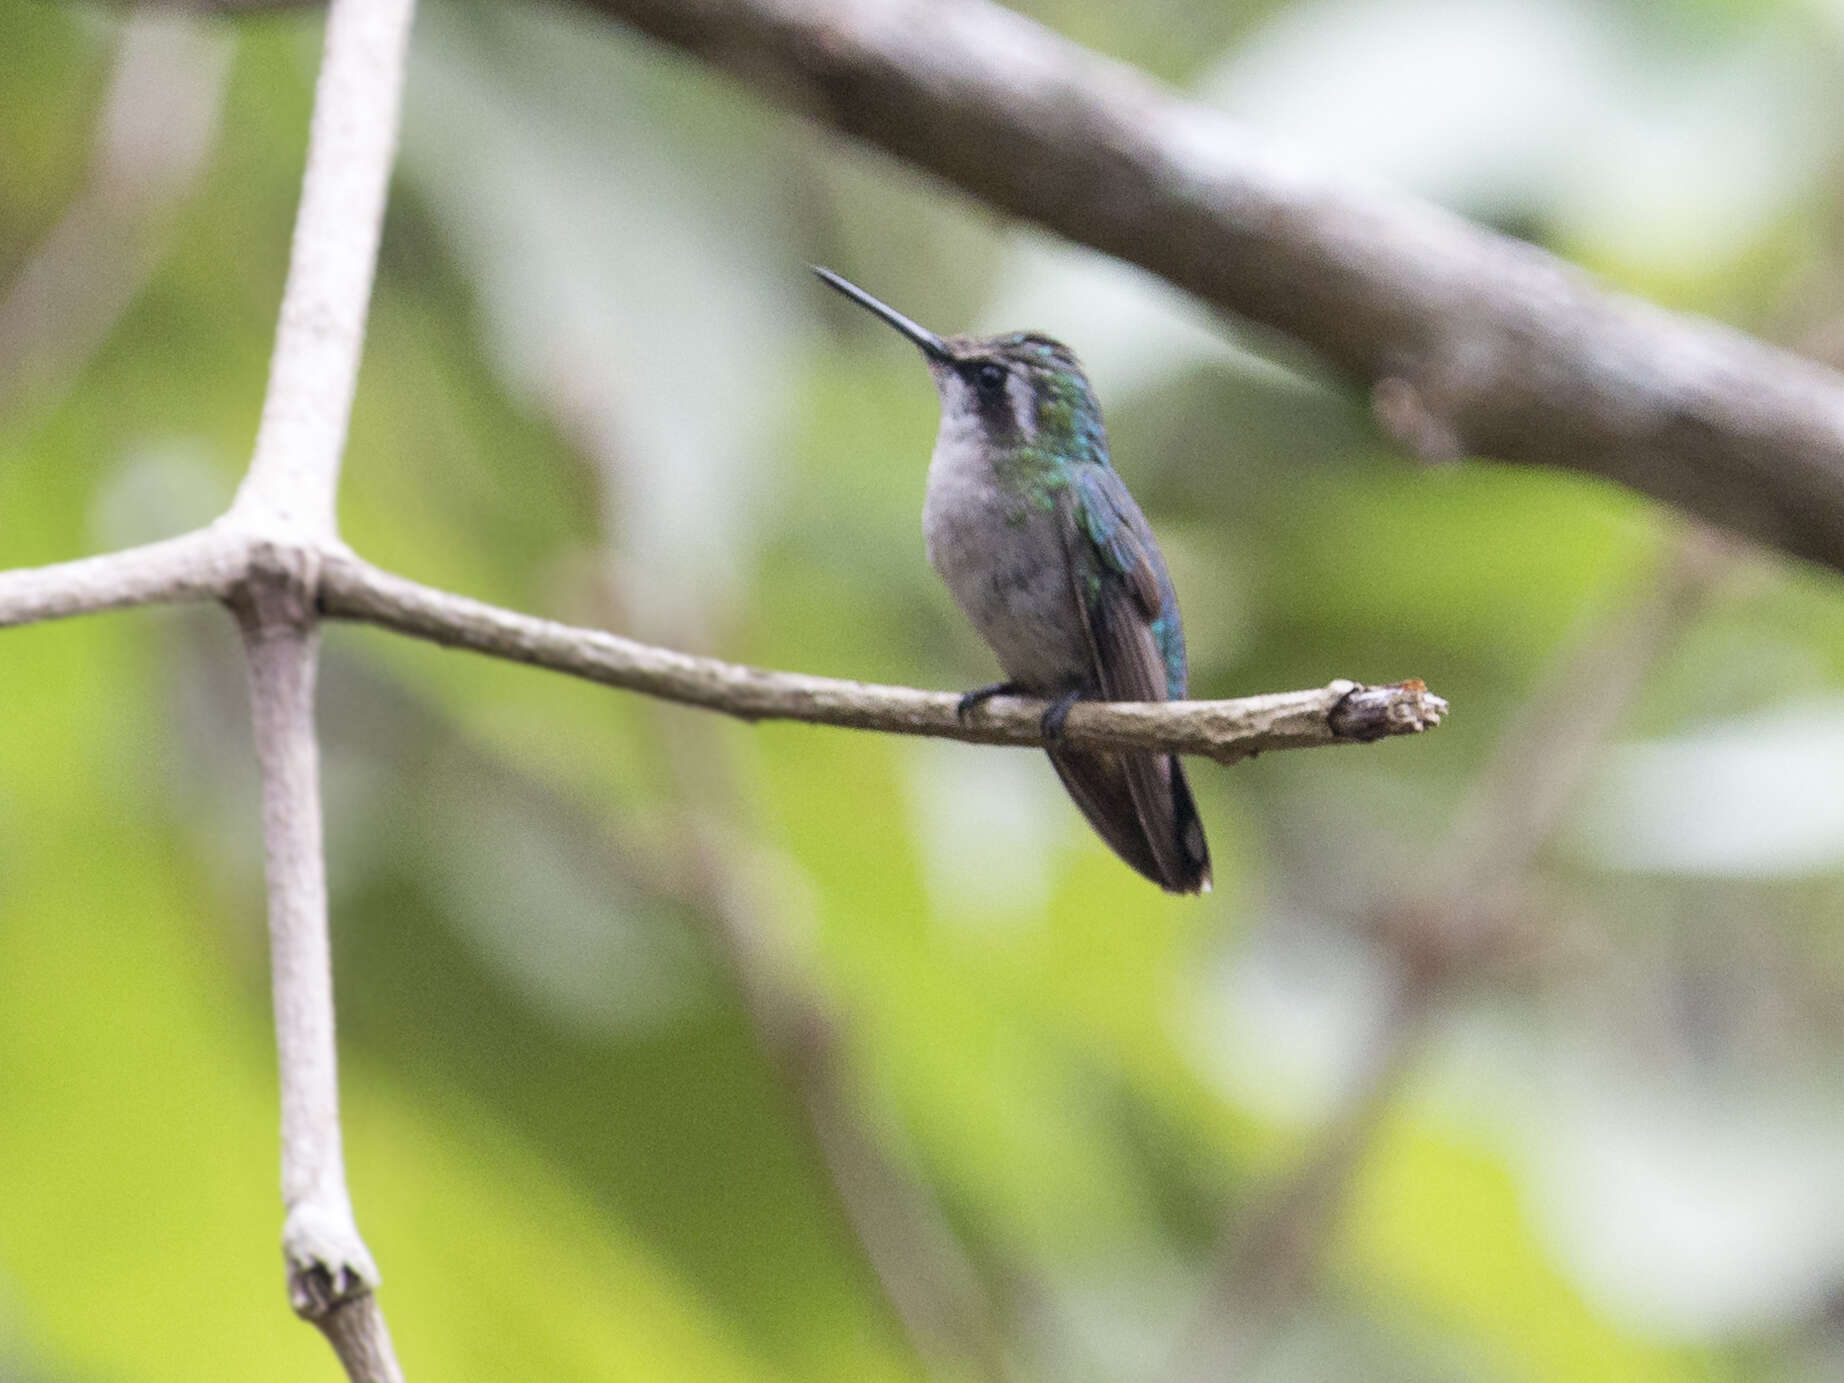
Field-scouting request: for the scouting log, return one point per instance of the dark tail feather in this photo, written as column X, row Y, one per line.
column 1141, row 805
column 1193, row 849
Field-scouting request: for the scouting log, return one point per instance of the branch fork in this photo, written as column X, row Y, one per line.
column 278, row 591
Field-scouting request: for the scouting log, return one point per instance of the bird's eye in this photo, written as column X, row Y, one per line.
column 991, row 377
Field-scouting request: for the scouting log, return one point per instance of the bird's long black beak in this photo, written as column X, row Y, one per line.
column 932, row 345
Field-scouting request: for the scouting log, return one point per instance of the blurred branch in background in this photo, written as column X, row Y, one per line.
column 1469, row 921
column 154, row 135
column 928, row 1280
column 927, row 1277
column 715, row 877
column 1470, row 342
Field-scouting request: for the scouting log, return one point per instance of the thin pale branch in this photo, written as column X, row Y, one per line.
column 1342, row 713
column 286, row 507
column 328, row 1263
column 213, row 563
column 203, row 565
column 1470, row 342
column 263, row 558
column 292, row 484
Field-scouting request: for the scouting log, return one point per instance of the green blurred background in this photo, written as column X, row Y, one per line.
column 676, row 1049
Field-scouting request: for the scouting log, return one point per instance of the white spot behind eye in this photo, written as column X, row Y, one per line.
column 1024, row 403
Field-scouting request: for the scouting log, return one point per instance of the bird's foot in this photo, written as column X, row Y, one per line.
column 986, row 693
column 1052, row 723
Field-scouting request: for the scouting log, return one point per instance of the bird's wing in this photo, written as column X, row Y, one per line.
column 1139, row 802
column 1117, row 531
column 1123, row 594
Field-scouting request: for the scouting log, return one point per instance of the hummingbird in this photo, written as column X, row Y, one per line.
column 1044, row 550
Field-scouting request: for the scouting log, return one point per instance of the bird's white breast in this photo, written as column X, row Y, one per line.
column 1001, row 555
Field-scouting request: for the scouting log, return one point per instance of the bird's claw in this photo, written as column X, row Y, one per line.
column 1052, row 722
column 982, row 694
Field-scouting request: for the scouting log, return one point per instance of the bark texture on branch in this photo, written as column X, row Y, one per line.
column 1341, row 713
column 1470, row 342
column 328, row 1263
column 293, row 481
column 222, row 563
column 202, row 565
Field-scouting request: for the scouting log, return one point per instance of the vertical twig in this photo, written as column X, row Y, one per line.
column 293, row 478
column 330, row 1271
column 286, row 504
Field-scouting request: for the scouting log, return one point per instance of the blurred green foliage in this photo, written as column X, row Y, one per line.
column 599, row 386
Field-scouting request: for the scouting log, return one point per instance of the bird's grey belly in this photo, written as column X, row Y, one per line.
column 1005, row 566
